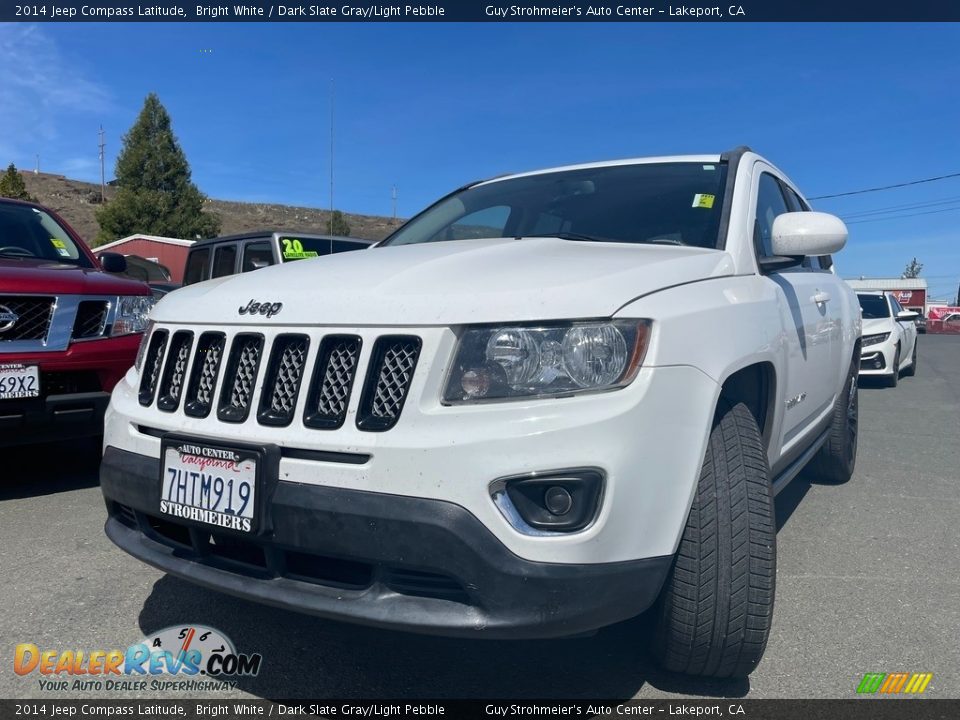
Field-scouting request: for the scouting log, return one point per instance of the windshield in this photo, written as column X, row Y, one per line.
column 874, row 306
column 28, row 233
column 667, row 203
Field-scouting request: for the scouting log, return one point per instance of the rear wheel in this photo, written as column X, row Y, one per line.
column 894, row 378
column 714, row 614
column 836, row 460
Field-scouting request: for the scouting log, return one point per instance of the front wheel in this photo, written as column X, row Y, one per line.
column 714, row 614
column 894, row 379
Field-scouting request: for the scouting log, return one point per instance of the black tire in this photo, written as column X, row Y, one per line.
column 912, row 370
column 714, row 613
column 894, row 378
column 836, row 460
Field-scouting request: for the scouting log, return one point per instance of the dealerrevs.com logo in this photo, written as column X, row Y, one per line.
column 186, row 657
column 898, row 683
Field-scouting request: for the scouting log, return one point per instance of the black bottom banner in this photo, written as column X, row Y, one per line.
column 855, row 709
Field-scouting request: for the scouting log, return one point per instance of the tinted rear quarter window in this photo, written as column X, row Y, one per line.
column 340, row 246
column 198, row 266
column 224, row 260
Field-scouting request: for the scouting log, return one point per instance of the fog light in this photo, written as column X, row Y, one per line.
column 877, row 364
column 558, row 500
column 555, row 502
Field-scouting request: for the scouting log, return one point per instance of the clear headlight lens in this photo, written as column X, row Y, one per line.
column 874, row 339
column 142, row 351
column 518, row 361
column 132, row 312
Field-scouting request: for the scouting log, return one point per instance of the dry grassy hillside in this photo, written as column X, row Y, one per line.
column 77, row 202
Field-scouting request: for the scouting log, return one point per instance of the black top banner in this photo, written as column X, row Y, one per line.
column 641, row 11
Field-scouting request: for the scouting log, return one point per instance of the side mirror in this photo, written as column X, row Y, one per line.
column 802, row 234
column 113, row 262
column 907, row 316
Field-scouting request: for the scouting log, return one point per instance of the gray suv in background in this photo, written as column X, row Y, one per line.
column 233, row 254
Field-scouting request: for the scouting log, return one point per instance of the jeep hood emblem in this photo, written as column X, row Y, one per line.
column 8, row 318
column 258, row 308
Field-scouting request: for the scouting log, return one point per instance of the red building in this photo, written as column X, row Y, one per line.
column 170, row 252
column 910, row 292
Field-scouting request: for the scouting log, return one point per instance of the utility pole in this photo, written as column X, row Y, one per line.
column 394, row 197
column 36, row 169
column 103, row 192
column 331, row 157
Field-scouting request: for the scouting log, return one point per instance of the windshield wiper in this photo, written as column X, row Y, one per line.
column 576, row 237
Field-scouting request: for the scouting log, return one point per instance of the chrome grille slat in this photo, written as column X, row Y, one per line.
column 172, row 381
column 242, row 370
column 203, row 376
column 33, row 314
column 392, row 364
column 151, row 366
column 284, row 373
column 332, row 381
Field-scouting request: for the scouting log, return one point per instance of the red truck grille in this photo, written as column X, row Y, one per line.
column 25, row 318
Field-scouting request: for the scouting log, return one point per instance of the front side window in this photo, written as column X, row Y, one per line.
column 198, row 266
column 874, row 306
column 29, row 233
column 653, row 203
column 257, row 255
column 770, row 204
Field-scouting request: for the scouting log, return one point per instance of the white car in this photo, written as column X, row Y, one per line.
column 546, row 404
column 889, row 337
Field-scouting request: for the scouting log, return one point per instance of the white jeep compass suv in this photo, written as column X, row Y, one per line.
column 546, row 404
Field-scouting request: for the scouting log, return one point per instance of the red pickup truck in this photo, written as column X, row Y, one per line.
column 69, row 329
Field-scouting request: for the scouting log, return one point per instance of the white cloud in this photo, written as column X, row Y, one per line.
column 40, row 90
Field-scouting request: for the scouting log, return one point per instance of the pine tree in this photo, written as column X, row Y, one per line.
column 155, row 194
column 12, row 185
column 913, row 269
column 339, row 224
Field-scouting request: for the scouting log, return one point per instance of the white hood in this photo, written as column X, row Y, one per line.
column 877, row 325
column 449, row 283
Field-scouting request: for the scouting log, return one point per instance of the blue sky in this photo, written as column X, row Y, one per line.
column 429, row 107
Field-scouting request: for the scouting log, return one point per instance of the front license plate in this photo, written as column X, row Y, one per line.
column 19, row 381
column 210, row 484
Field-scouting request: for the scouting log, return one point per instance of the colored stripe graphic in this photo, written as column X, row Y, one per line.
column 894, row 683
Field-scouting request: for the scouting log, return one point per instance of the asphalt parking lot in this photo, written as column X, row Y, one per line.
column 868, row 581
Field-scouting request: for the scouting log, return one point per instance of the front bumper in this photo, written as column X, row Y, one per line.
column 878, row 359
column 406, row 563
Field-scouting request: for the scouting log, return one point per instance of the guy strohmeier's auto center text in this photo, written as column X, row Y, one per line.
column 370, row 12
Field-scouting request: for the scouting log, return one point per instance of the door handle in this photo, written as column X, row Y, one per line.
column 820, row 297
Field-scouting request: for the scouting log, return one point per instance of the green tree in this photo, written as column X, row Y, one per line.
column 155, row 194
column 12, row 185
column 913, row 269
column 339, row 224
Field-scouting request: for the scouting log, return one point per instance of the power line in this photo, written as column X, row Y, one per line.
column 899, row 208
column 898, row 217
column 886, row 187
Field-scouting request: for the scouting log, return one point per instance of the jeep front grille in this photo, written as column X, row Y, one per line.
column 241, row 378
column 91, row 319
column 170, row 376
column 203, row 376
column 151, row 366
column 25, row 317
column 174, row 372
column 282, row 384
column 392, row 364
column 332, row 381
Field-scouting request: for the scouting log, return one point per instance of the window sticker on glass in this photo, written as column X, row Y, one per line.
column 293, row 250
column 703, row 201
column 60, row 246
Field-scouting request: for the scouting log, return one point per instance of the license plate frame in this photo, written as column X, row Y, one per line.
column 265, row 459
column 17, row 375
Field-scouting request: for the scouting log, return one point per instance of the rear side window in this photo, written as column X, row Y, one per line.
column 224, row 260
column 257, row 255
column 198, row 266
